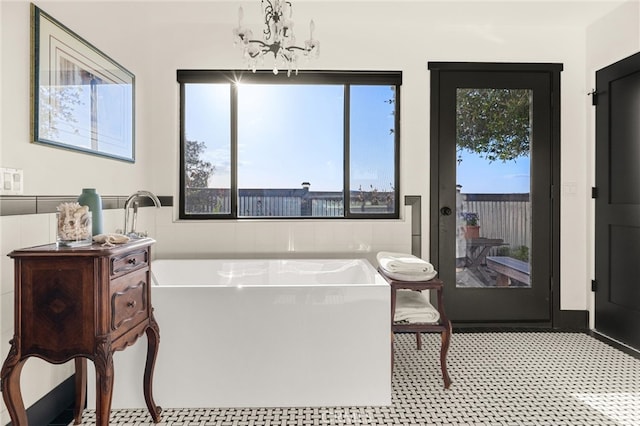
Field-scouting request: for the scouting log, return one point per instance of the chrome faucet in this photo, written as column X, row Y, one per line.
column 127, row 205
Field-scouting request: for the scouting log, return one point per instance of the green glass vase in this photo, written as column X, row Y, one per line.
column 91, row 199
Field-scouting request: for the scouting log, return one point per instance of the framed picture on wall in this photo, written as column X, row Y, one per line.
column 81, row 99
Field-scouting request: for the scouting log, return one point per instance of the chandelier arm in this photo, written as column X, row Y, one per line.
column 260, row 42
column 263, row 48
column 296, row 48
column 268, row 17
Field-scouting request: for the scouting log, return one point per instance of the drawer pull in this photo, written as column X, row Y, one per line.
column 131, row 304
column 129, row 261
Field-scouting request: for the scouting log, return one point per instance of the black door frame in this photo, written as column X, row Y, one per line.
column 559, row 319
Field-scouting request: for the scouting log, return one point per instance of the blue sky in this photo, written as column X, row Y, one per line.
column 478, row 176
column 289, row 134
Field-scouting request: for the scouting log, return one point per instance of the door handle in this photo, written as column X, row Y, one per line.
column 446, row 211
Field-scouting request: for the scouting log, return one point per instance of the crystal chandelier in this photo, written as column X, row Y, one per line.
column 278, row 38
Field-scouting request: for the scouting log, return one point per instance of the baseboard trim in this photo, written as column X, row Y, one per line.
column 50, row 406
column 571, row 320
column 562, row 321
column 629, row 350
column 496, row 327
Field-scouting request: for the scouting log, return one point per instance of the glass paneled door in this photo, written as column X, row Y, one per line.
column 493, row 184
column 492, row 204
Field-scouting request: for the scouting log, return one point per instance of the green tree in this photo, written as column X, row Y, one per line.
column 197, row 170
column 494, row 123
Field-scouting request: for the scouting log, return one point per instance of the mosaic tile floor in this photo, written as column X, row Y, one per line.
column 515, row 378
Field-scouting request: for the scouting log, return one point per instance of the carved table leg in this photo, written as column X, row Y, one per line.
column 153, row 340
column 81, row 389
column 10, row 378
column 444, row 348
column 104, row 380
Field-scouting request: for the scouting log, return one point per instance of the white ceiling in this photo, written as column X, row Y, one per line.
column 523, row 12
column 451, row 12
column 485, row 12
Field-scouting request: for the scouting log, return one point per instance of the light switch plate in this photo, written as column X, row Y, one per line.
column 11, row 181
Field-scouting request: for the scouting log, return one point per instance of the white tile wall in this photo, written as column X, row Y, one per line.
column 308, row 237
column 10, row 231
column 112, row 220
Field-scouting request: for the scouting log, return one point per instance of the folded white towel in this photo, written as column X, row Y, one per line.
column 414, row 307
column 402, row 262
column 405, row 267
column 399, row 276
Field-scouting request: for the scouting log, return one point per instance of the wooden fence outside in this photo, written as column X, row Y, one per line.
column 505, row 216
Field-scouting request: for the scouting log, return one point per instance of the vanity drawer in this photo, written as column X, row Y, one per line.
column 129, row 304
column 129, row 262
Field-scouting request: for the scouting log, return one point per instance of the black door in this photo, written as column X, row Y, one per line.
column 494, row 140
column 617, row 233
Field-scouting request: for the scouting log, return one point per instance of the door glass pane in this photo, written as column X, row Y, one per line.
column 493, row 205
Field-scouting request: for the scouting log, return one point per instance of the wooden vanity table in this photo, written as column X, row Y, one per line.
column 81, row 303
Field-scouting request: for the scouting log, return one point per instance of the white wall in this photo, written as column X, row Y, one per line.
column 609, row 39
column 48, row 170
column 153, row 39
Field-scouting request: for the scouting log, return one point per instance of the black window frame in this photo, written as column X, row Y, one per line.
column 345, row 78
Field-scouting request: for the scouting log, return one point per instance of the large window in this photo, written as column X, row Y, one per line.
column 319, row 144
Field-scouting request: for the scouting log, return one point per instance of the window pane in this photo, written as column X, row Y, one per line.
column 290, row 150
column 207, row 149
column 372, row 149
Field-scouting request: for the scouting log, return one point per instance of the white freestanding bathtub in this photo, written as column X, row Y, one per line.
column 263, row 333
